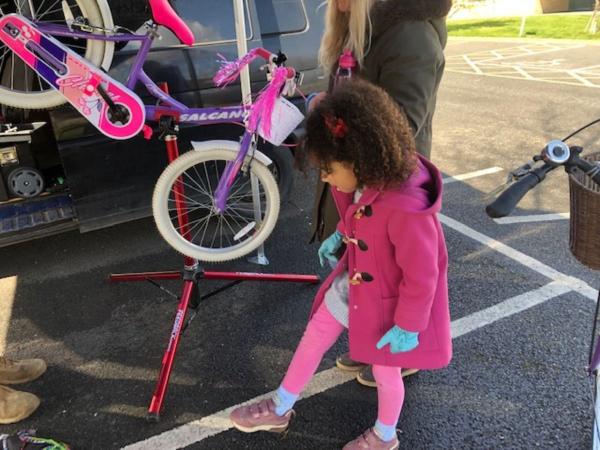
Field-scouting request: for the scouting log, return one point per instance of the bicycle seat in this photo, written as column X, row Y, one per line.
column 165, row 15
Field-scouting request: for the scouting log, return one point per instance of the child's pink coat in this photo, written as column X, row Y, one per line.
column 407, row 259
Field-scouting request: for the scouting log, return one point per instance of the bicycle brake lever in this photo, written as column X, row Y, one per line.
column 299, row 78
column 289, row 88
column 520, row 172
column 512, row 176
column 497, row 190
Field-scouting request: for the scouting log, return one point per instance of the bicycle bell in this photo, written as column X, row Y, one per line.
column 556, row 152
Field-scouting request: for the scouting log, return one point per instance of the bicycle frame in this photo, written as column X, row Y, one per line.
column 168, row 105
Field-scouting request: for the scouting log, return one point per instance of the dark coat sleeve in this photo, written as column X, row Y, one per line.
column 409, row 59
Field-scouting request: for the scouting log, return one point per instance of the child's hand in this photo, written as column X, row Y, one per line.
column 328, row 248
column 399, row 340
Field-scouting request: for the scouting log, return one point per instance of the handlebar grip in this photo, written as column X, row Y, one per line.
column 507, row 201
column 263, row 53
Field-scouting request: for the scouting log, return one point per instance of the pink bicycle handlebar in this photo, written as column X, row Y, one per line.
column 230, row 70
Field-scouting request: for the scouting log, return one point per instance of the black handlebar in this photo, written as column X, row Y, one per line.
column 556, row 154
column 507, row 201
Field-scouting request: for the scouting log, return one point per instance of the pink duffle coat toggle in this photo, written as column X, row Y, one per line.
column 397, row 265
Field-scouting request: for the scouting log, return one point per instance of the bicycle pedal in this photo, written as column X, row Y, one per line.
column 74, row 77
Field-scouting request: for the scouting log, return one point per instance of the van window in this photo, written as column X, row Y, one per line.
column 281, row 16
column 131, row 14
column 210, row 20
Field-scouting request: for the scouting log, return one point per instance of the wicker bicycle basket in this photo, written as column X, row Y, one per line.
column 585, row 217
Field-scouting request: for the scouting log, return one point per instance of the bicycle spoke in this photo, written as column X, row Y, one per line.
column 40, row 7
column 239, row 215
column 221, row 231
column 232, row 231
column 191, row 211
column 39, row 80
column 237, row 223
column 205, row 230
column 212, row 244
column 234, row 194
column 198, row 188
column 208, row 188
column 4, row 53
column 197, row 223
column 187, row 199
column 188, row 187
column 49, row 10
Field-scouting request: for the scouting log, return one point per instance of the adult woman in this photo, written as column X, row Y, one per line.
column 399, row 46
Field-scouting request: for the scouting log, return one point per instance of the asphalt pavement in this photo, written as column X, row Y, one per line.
column 521, row 305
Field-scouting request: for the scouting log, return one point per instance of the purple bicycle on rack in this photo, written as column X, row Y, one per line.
column 225, row 188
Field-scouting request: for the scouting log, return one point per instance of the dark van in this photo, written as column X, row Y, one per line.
column 90, row 182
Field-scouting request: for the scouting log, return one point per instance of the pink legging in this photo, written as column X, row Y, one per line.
column 321, row 333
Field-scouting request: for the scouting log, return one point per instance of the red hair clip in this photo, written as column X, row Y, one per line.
column 337, row 126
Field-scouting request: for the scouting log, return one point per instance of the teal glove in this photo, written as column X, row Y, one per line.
column 329, row 246
column 399, row 340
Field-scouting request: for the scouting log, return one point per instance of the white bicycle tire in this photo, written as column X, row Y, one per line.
column 97, row 52
column 162, row 218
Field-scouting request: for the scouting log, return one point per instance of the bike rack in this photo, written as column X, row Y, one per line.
column 191, row 275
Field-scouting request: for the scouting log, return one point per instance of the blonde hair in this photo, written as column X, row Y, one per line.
column 346, row 30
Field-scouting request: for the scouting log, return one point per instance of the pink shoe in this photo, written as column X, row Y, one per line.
column 260, row 417
column 369, row 440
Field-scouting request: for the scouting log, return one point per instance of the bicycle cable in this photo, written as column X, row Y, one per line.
column 591, row 353
column 581, row 129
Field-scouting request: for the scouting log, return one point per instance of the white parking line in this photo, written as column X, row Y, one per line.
column 473, row 66
column 469, row 175
column 532, row 218
column 219, row 422
column 507, row 308
column 574, row 283
column 201, row 429
column 586, row 82
column 501, row 63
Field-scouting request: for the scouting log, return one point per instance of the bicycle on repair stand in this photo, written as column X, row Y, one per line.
column 225, row 190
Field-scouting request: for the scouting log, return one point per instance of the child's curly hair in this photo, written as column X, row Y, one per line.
column 360, row 123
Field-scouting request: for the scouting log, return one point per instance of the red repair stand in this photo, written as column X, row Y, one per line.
column 191, row 275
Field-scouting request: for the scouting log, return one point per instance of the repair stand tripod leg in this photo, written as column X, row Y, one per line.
column 189, row 298
column 191, row 275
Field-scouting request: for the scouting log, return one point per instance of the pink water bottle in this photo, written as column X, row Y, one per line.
column 346, row 65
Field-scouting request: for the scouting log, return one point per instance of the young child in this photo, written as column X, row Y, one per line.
column 389, row 289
